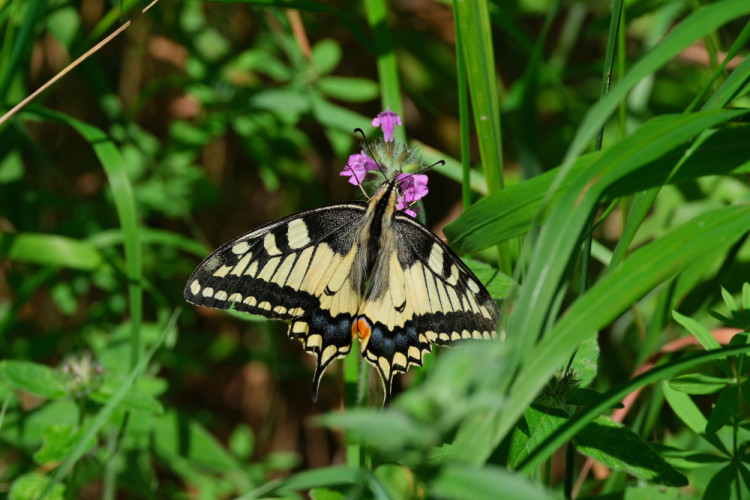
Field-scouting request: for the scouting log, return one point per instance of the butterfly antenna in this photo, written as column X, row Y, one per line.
column 369, row 150
column 425, row 169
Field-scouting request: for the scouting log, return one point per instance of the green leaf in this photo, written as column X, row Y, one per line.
column 59, row 440
column 703, row 336
column 349, row 89
column 49, row 249
column 725, row 408
column 30, row 486
column 722, row 485
column 391, row 430
column 325, row 494
column 498, row 284
column 650, row 493
column 326, row 55
column 619, row 448
column 698, row 383
column 586, row 360
column 535, row 426
column 242, row 442
column 685, row 409
column 135, row 399
column 34, row 378
column 464, row 482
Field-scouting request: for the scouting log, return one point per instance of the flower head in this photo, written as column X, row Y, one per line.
column 357, row 167
column 387, row 120
column 413, row 188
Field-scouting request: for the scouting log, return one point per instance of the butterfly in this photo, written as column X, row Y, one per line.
column 351, row 270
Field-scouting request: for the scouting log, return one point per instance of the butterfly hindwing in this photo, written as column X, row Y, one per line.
column 295, row 269
column 432, row 298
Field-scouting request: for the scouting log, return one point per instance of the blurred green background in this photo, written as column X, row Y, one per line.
column 204, row 120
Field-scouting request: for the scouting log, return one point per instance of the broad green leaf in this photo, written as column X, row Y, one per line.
column 536, row 424
column 284, row 101
column 619, row 448
column 242, row 442
column 588, row 397
column 135, row 399
column 30, row 486
column 349, row 88
column 326, row 55
column 651, row 493
column 26, row 430
column 50, row 249
column 325, row 494
column 698, row 383
column 392, row 430
column 725, row 408
column 465, row 482
column 59, row 440
column 685, row 409
column 34, row 378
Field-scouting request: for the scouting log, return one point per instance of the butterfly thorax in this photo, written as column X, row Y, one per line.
column 376, row 242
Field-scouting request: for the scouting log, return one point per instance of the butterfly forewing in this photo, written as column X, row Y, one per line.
column 295, row 269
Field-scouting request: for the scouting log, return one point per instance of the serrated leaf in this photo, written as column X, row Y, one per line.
column 33, row 378
column 619, row 448
column 698, row 383
column 59, row 440
column 534, row 427
column 726, row 406
column 30, row 486
column 586, row 361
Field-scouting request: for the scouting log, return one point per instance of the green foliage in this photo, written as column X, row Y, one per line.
column 605, row 206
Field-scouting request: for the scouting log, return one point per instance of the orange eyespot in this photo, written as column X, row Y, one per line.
column 362, row 327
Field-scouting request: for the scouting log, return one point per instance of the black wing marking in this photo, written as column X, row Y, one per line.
column 295, row 269
column 434, row 298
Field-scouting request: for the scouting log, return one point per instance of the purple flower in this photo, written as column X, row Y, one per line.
column 388, row 120
column 413, row 188
column 357, row 167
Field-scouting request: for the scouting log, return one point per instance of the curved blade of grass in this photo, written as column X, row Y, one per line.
column 50, row 249
column 641, row 272
column 106, row 412
column 390, row 88
column 694, row 27
column 474, row 26
column 22, row 43
column 316, row 478
column 122, row 193
column 661, row 372
column 150, row 237
column 513, row 212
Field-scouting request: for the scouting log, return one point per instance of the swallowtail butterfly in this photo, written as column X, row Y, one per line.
column 351, row 270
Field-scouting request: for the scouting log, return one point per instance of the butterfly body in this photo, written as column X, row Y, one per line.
column 351, row 270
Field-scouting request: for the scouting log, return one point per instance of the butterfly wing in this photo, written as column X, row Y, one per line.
column 432, row 297
column 295, row 269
